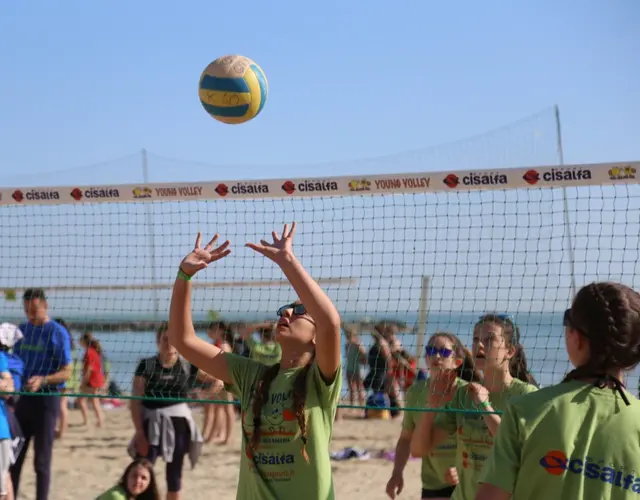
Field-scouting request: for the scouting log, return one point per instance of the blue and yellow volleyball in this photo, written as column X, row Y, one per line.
column 233, row 89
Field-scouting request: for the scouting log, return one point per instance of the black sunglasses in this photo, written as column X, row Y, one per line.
column 433, row 351
column 298, row 309
column 566, row 320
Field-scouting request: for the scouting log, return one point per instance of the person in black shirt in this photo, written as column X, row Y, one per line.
column 164, row 381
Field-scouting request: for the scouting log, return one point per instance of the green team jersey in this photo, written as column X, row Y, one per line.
column 267, row 353
column 436, row 464
column 474, row 441
column 278, row 470
column 566, row 442
column 115, row 493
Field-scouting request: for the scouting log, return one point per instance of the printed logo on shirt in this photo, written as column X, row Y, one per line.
column 556, row 463
column 278, row 418
column 273, row 458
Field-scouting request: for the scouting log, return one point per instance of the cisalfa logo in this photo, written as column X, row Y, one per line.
column 76, row 194
column 556, row 463
column 531, row 177
column 451, row 181
column 18, row 195
column 289, row 187
column 222, row 189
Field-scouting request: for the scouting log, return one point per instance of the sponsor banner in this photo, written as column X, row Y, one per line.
column 367, row 185
column 403, row 183
column 623, row 172
column 559, row 175
column 89, row 195
column 309, row 187
column 477, row 180
column 184, row 192
column 34, row 196
column 242, row 189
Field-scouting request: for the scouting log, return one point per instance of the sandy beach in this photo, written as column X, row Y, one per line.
column 87, row 461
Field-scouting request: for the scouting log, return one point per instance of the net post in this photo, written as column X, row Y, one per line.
column 422, row 316
column 565, row 201
column 151, row 234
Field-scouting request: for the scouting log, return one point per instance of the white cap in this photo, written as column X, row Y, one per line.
column 9, row 334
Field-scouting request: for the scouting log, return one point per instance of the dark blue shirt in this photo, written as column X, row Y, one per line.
column 44, row 350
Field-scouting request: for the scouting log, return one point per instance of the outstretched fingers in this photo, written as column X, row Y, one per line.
column 257, row 248
column 293, row 230
column 198, row 241
column 209, row 245
column 221, row 252
column 288, row 232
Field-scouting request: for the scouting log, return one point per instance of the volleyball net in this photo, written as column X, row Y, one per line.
column 430, row 251
column 427, row 250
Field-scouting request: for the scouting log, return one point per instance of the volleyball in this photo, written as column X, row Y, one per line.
column 233, row 89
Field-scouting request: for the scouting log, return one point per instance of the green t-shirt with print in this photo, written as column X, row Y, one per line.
column 568, row 441
column 267, row 353
column 474, row 441
column 443, row 456
column 278, row 469
column 115, row 493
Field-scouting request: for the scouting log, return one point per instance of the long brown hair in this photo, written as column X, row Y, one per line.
column 151, row 493
column 608, row 315
column 518, row 367
column 467, row 370
column 261, row 396
column 90, row 341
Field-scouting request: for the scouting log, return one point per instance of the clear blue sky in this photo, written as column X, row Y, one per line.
column 87, row 81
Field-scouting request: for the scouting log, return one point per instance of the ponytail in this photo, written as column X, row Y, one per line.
column 467, row 370
column 92, row 342
column 518, row 366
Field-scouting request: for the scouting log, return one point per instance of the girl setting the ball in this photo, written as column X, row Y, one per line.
column 288, row 409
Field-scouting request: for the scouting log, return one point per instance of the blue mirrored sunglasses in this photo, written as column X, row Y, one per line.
column 298, row 309
column 433, row 351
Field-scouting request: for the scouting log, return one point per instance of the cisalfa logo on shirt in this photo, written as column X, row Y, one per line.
column 273, row 458
column 556, row 463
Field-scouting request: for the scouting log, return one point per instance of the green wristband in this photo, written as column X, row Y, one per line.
column 184, row 276
column 484, row 405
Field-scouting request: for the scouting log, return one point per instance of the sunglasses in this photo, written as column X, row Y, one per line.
column 432, row 351
column 566, row 320
column 298, row 309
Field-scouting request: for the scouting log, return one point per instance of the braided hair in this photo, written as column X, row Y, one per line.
column 608, row 316
column 261, row 396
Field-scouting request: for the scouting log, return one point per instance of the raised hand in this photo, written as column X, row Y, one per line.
column 200, row 258
column 281, row 248
column 479, row 394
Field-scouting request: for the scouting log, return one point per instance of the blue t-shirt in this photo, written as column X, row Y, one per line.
column 5, row 433
column 16, row 369
column 44, row 350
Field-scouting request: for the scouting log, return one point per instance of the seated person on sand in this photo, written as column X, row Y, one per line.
column 138, row 482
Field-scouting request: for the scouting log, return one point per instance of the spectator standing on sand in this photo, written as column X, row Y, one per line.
column 71, row 386
column 92, row 377
column 9, row 335
column 46, row 353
